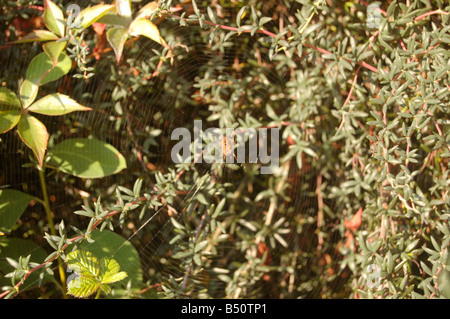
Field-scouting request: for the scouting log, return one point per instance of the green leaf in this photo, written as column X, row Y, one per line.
column 107, row 243
column 110, row 271
column 83, row 262
column 113, row 19
column 10, row 110
column 116, row 38
column 12, row 205
column 54, row 18
column 28, row 92
column 39, row 36
column 54, row 49
column 82, row 287
column 14, row 248
column 56, row 104
column 34, row 134
column 42, row 69
column 87, row 158
column 146, row 28
column 91, row 15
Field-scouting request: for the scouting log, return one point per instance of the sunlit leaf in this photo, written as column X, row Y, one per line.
column 87, row 158
column 54, row 49
column 54, row 18
column 9, row 110
column 56, row 104
column 38, row 35
column 146, row 28
column 42, row 69
column 34, row 134
column 28, row 92
column 91, row 15
column 82, row 287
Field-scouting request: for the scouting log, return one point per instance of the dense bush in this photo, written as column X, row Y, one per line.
column 359, row 205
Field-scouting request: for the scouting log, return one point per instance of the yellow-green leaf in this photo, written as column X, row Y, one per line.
column 146, row 28
column 147, row 10
column 82, row 287
column 54, row 49
column 56, row 104
column 54, row 18
column 91, row 15
column 87, row 158
column 38, row 35
column 42, row 70
column 83, row 262
column 9, row 110
column 34, row 134
column 116, row 38
column 28, row 92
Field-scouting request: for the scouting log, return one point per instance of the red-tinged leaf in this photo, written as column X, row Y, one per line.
column 56, row 104
column 355, row 222
column 28, row 92
column 91, row 15
column 9, row 110
column 38, row 36
column 54, row 50
column 117, row 38
column 54, row 18
column 41, row 69
column 34, row 134
column 146, row 28
column 147, row 10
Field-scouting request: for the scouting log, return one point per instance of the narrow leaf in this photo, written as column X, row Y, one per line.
column 38, row 35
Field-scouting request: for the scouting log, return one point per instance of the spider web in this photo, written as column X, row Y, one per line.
column 151, row 235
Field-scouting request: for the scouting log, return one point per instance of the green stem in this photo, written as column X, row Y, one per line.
column 51, row 223
column 99, row 291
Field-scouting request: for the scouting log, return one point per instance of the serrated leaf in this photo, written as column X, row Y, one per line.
column 38, row 36
column 117, row 38
column 34, row 134
column 56, row 104
column 83, row 262
column 82, row 287
column 54, row 18
column 146, row 28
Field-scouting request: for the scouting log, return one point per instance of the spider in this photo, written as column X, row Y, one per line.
column 228, row 147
